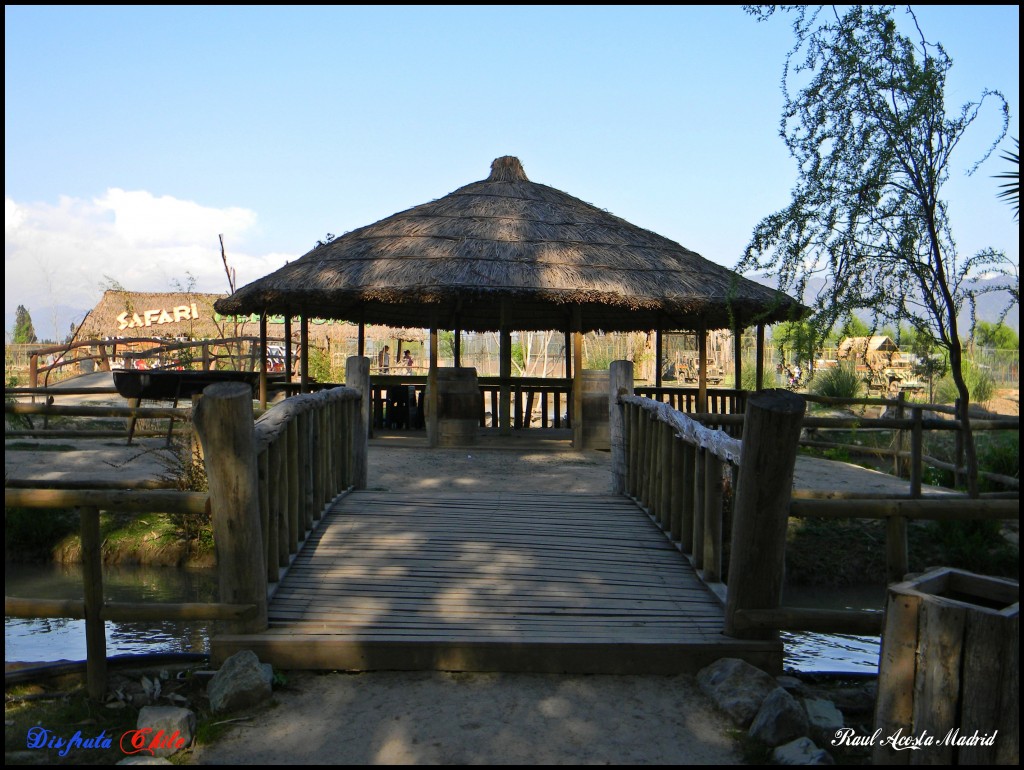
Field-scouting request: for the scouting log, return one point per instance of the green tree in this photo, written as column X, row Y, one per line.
column 998, row 336
column 24, row 332
column 865, row 118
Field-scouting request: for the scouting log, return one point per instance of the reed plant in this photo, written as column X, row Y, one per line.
column 837, row 382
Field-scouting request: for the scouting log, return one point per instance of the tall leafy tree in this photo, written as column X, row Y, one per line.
column 865, row 118
column 24, row 332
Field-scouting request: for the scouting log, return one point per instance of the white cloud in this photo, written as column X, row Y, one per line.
column 65, row 254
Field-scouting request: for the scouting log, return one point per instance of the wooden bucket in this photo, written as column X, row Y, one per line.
column 591, row 427
column 459, row 404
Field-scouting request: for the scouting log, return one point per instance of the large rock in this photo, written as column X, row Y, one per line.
column 240, row 683
column 736, row 687
column 802, row 751
column 780, row 719
column 824, row 717
column 163, row 731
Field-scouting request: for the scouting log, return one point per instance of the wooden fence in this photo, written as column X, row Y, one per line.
column 535, row 402
column 58, row 362
column 684, row 474
column 269, row 482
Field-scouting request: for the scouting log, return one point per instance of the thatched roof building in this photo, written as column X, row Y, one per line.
column 191, row 315
column 510, row 253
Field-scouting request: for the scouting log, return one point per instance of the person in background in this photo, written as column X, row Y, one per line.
column 384, row 360
column 407, row 361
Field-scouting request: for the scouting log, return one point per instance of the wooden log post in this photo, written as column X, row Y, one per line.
column 224, row 421
column 665, row 464
column 357, row 376
column 686, row 505
column 712, row 519
column 675, row 504
column 771, row 432
column 92, row 581
column 898, row 462
column 759, row 365
column 620, row 383
column 633, row 450
column 916, row 451
column 700, row 468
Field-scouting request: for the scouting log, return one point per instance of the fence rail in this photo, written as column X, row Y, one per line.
column 269, row 483
column 686, row 474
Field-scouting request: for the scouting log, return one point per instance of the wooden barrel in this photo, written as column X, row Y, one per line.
column 592, row 429
column 458, row 406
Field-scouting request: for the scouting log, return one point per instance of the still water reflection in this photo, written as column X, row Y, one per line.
column 64, row 639
column 833, row 653
column 50, row 639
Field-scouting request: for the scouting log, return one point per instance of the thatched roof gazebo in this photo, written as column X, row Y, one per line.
column 507, row 254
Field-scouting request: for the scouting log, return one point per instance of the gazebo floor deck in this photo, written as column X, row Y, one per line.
column 493, row 581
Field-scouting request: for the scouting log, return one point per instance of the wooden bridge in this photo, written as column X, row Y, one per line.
column 680, row 565
column 497, row 581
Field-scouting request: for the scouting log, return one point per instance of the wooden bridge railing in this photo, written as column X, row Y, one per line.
column 98, row 415
column 92, row 607
column 681, row 471
column 269, row 481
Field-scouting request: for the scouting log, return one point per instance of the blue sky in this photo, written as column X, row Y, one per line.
column 134, row 136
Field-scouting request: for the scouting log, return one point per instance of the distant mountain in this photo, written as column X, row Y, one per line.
column 990, row 306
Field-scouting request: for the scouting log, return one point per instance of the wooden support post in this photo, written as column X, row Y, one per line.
column 278, row 500
column 687, row 505
column 263, row 360
column 296, row 522
column 457, row 346
column 433, row 401
column 633, row 450
column 361, row 342
column 92, row 582
column 700, row 468
column 659, row 355
column 759, row 365
column 897, row 555
column 702, row 371
column 712, row 519
column 675, row 511
column 665, row 463
column 568, row 356
column 959, row 449
column 263, row 492
column 642, row 465
column 916, row 451
column 304, row 353
column 504, row 375
column 224, row 421
column 288, row 352
column 898, row 462
column 357, row 375
column 737, row 357
column 620, row 383
column 576, row 412
column 771, row 431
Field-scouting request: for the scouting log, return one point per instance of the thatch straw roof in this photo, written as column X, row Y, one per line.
column 507, row 240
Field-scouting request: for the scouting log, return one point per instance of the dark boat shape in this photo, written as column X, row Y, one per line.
column 168, row 386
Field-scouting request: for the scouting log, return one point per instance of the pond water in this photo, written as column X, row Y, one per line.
column 51, row 639
column 64, row 639
column 833, row 653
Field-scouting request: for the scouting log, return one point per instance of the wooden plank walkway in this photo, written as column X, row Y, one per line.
column 496, row 581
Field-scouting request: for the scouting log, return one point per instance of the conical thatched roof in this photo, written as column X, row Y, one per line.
column 507, row 240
